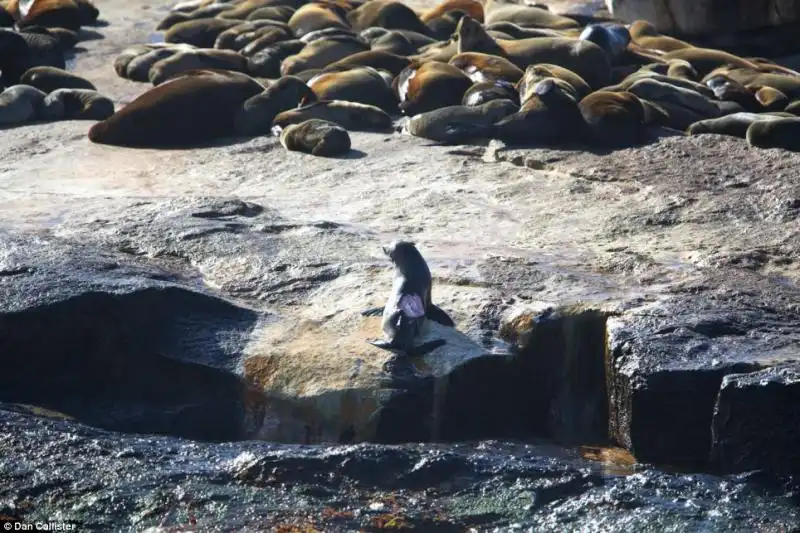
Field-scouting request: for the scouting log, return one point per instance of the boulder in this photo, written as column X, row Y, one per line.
column 666, row 363
column 694, row 17
column 756, row 421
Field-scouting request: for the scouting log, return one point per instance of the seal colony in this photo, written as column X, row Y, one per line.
column 463, row 70
column 35, row 37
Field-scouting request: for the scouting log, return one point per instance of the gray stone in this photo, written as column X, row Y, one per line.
column 757, row 421
column 693, row 17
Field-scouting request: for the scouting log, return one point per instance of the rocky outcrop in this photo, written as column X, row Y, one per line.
column 692, row 17
column 673, row 367
column 57, row 470
column 757, row 421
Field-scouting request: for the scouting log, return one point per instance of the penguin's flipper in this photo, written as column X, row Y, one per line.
column 436, row 314
column 374, row 311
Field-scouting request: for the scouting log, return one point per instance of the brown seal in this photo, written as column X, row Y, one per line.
column 481, row 93
column 201, row 33
column 48, row 79
column 645, row 35
column 584, row 58
column 257, row 113
column 486, row 67
column 316, row 137
column 386, row 14
column 551, row 115
column 524, row 15
column 364, row 85
column 781, row 133
column 733, row 125
column 429, row 86
column 322, row 53
column 536, row 73
column 312, row 17
column 241, row 35
column 614, row 119
column 196, row 59
column 457, row 124
column 195, row 108
column 350, row 115
column 377, row 59
column 80, row 104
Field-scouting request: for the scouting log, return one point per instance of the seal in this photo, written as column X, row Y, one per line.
column 770, row 98
column 486, row 67
column 138, row 68
column 201, row 33
column 612, row 38
column 51, row 13
column 239, row 36
column 267, row 62
column 392, row 41
column 350, row 115
column 312, row 17
column 409, row 304
column 523, row 15
column 377, row 59
column 281, row 13
column 175, row 17
column 196, row 59
column 316, row 137
column 364, row 85
column 614, row 120
column 733, row 125
column 428, row 86
column 683, row 106
column 470, row 7
column 781, row 133
column 704, row 60
column 322, row 53
column 550, row 115
column 584, row 58
column 167, row 115
column 257, row 113
column 48, row 79
column 264, row 38
column 645, row 35
column 728, row 90
column 80, row 104
column 460, row 123
column 536, row 73
column 386, row 14
column 20, row 51
column 23, row 103
column 481, row 93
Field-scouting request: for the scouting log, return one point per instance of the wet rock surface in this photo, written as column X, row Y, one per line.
column 107, row 481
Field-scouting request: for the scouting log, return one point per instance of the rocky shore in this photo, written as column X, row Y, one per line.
column 645, row 298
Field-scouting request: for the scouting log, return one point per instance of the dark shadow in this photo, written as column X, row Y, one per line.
column 89, row 35
column 100, row 23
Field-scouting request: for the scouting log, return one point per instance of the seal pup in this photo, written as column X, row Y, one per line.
column 22, row 103
column 316, row 137
column 409, row 303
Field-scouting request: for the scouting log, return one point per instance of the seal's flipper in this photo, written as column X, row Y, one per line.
column 375, row 311
column 426, row 348
column 436, row 314
column 386, row 345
